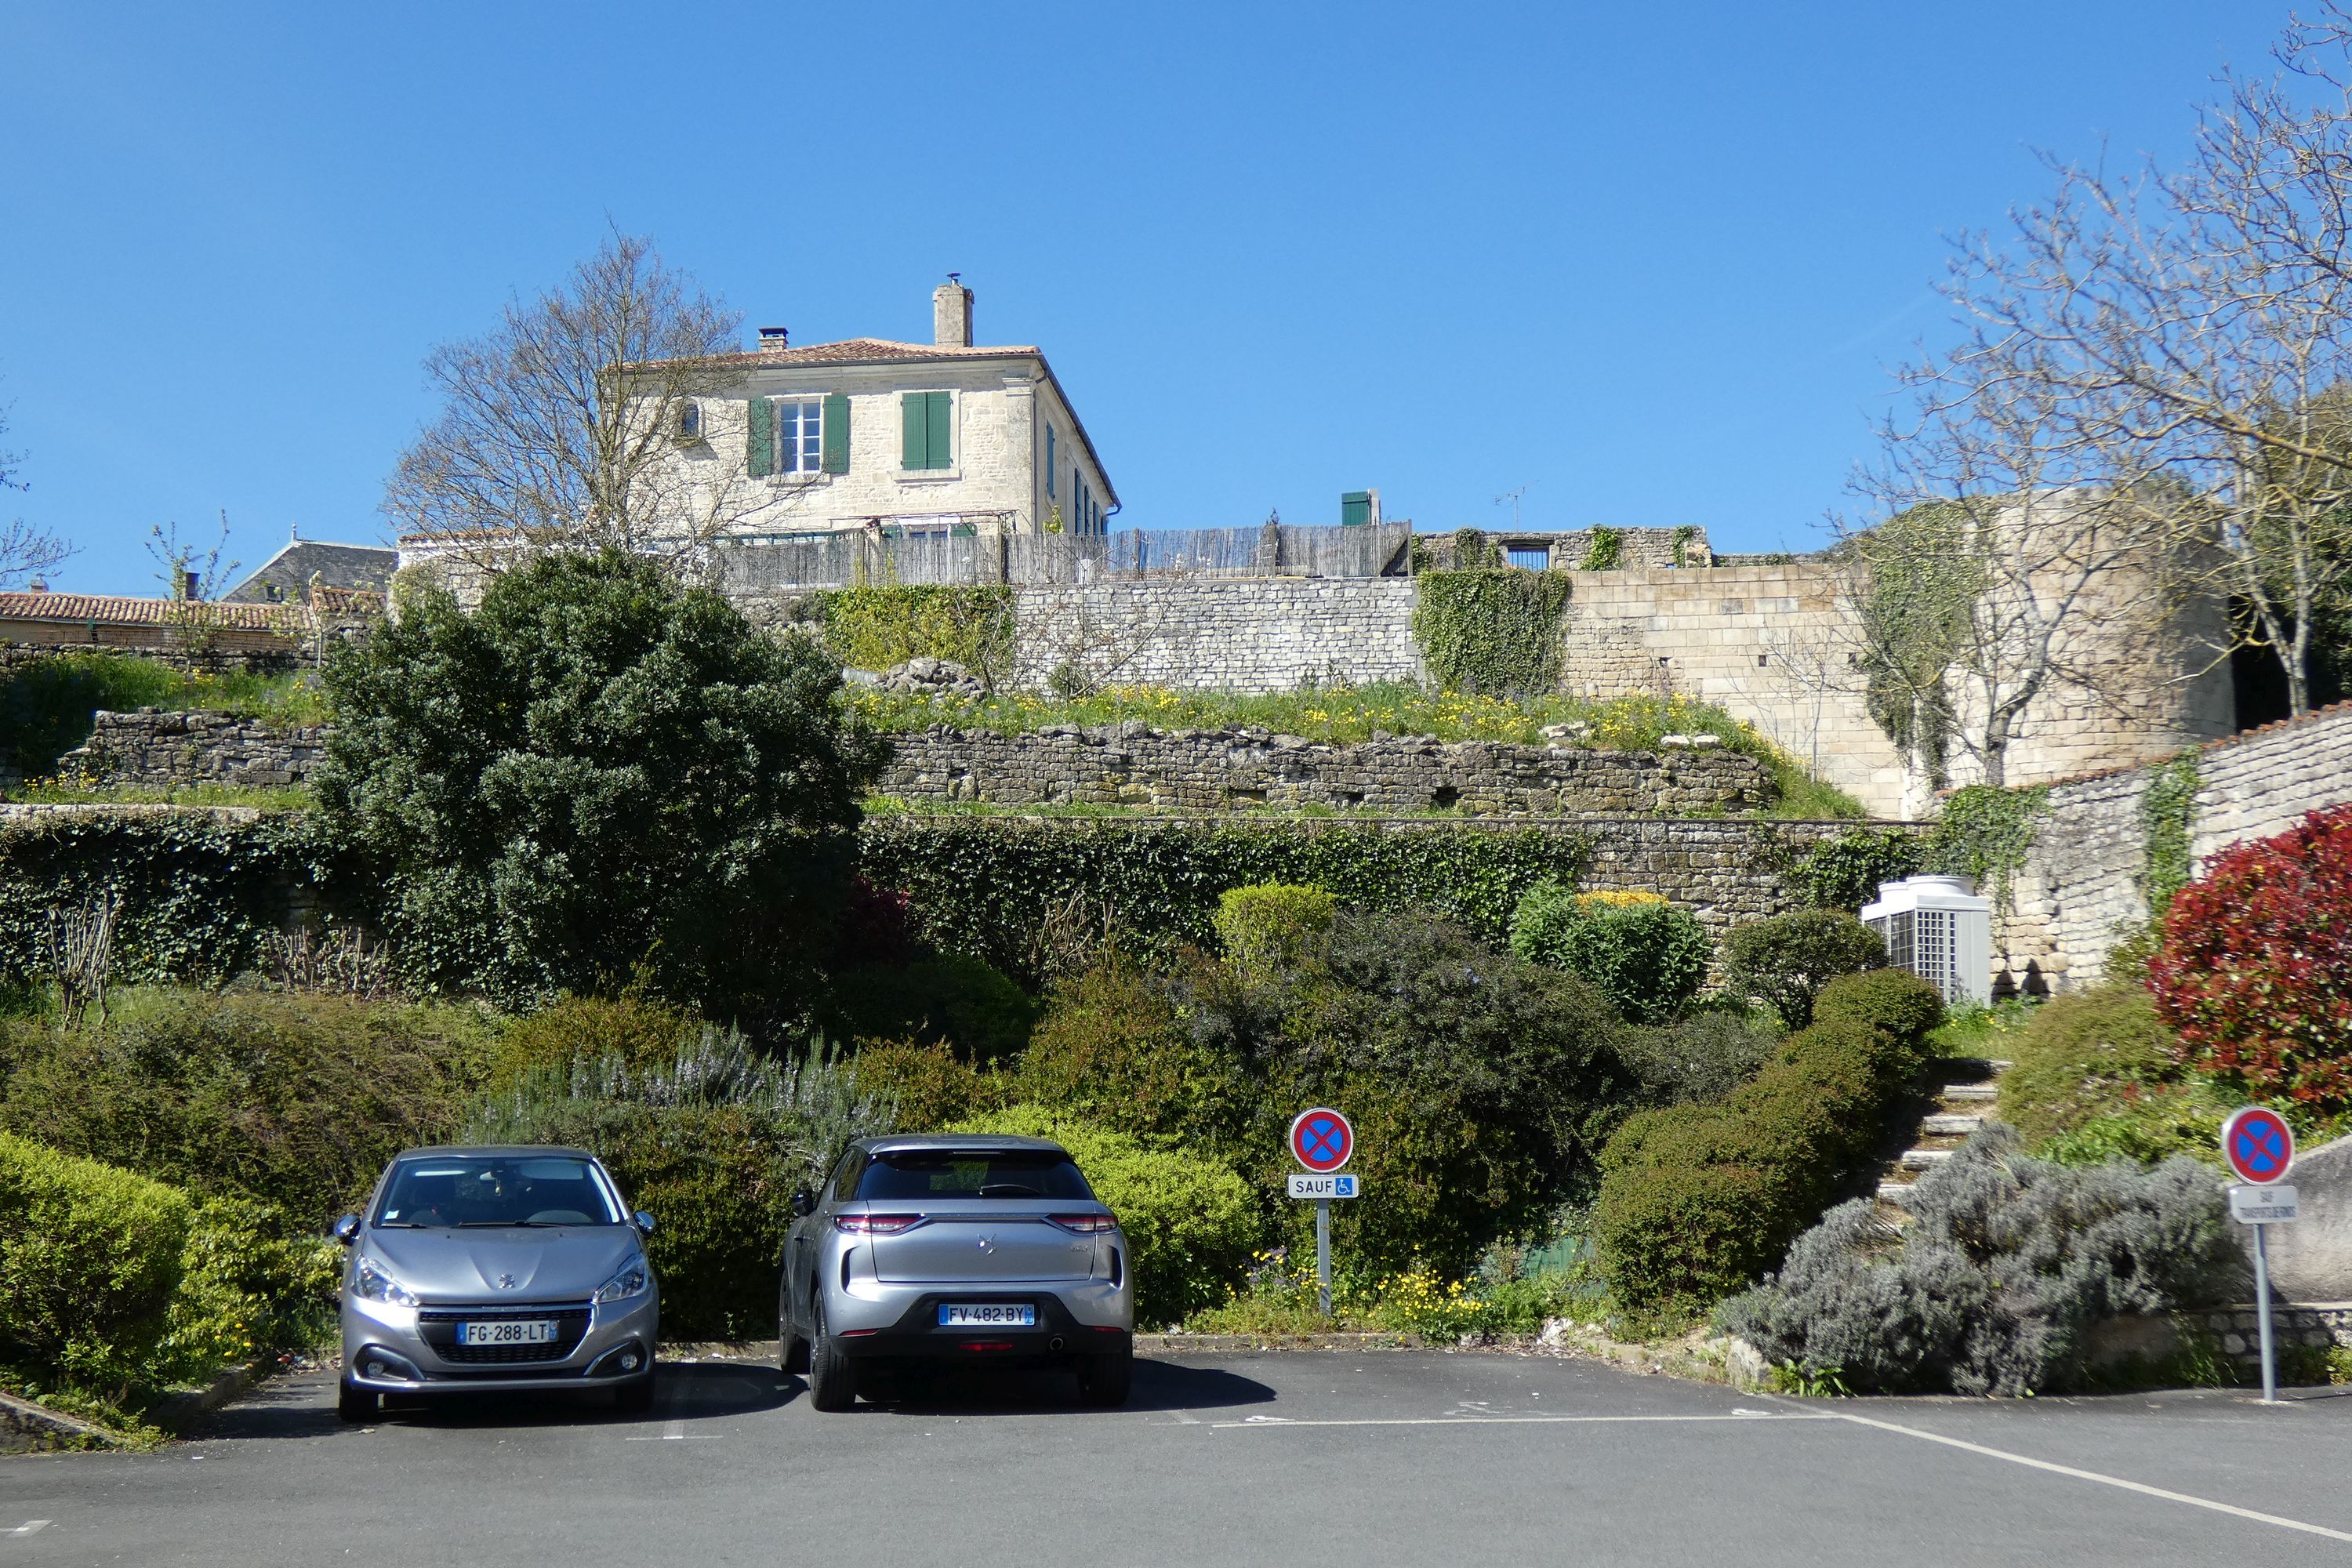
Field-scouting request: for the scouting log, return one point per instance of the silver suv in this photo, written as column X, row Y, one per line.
column 947, row 1249
column 514, row 1268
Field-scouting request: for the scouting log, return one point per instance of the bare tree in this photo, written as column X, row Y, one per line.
column 192, row 575
column 25, row 548
column 2020, row 557
column 576, row 419
column 2198, row 323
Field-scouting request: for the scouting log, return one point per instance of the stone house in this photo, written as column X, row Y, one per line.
column 910, row 439
column 305, row 565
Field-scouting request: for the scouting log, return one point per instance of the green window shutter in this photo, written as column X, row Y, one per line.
column 1355, row 508
column 759, row 437
column 913, row 431
column 1050, row 460
column 836, row 433
column 941, row 444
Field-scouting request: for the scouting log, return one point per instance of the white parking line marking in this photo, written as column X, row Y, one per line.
column 675, row 1432
column 2140, row 1487
column 29, row 1526
column 1501, row 1420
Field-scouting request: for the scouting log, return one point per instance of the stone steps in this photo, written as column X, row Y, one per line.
column 1961, row 1107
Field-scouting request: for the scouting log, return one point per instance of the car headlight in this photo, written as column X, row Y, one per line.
column 630, row 1282
column 370, row 1283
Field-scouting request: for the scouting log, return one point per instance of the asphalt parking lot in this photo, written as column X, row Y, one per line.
column 1293, row 1457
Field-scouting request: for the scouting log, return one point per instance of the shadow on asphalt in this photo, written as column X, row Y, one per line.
column 694, row 1391
column 980, row 1391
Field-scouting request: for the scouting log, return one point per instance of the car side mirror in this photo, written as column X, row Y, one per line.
column 644, row 1221
column 347, row 1229
column 804, row 1203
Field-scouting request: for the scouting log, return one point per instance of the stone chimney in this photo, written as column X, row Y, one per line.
column 951, row 313
column 775, row 337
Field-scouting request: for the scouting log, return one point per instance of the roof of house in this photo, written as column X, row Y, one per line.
column 368, row 566
column 873, row 351
column 116, row 610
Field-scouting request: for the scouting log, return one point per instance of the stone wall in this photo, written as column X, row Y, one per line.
column 156, row 749
column 1134, row 764
column 2085, row 881
column 1222, row 634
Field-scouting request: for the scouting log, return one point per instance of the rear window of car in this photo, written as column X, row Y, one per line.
column 912, row 1175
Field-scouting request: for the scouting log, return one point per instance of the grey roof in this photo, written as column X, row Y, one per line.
column 289, row 573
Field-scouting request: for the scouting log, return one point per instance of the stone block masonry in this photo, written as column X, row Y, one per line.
column 1221, row 634
column 1225, row 770
column 2084, row 882
column 156, row 749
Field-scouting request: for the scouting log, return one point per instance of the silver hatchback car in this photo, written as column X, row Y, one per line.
column 510, row 1267
column 957, row 1250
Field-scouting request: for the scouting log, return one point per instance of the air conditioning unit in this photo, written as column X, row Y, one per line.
column 1939, row 929
column 686, row 422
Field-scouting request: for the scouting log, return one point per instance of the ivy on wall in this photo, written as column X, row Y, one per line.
column 1497, row 633
column 1607, row 547
column 876, row 628
column 1845, row 872
column 2166, row 813
column 1984, row 834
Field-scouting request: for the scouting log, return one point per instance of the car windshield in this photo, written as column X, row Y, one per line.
column 905, row 1174
column 447, row 1192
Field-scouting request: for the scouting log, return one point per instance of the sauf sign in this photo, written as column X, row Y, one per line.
column 1322, row 1139
column 2260, row 1148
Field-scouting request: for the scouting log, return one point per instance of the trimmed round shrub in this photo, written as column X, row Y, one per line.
column 90, row 1256
column 1697, row 1201
column 1642, row 954
column 1702, row 1056
column 1784, row 962
column 2255, row 969
column 638, row 1030
column 1191, row 1223
column 1273, row 924
column 2085, row 1054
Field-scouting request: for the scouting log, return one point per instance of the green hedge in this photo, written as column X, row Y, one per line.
column 1192, row 1222
column 200, row 895
column 987, row 887
column 1699, row 1201
column 89, row 1257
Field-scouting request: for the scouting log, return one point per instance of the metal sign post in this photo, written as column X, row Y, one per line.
column 2260, row 1147
column 1321, row 1139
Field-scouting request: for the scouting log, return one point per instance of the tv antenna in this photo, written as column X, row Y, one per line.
column 1513, row 497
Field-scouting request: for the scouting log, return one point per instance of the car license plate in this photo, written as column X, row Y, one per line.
column 955, row 1315
column 508, row 1331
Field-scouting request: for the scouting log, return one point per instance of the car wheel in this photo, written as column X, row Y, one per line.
column 356, row 1403
column 637, row 1395
column 1103, row 1380
column 831, row 1376
column 791, row 1351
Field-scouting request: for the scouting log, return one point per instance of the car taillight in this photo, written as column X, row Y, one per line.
column 875, row 1223
column 1084, row 1224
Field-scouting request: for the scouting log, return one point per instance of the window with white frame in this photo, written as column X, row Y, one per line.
column 800, row 435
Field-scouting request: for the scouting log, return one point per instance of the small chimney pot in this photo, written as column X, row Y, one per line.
column 775, row 337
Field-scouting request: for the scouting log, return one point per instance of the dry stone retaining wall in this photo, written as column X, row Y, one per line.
column 155, row 748
column 1210, row 770
column 2085, row 881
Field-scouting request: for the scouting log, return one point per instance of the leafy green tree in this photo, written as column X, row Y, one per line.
column 597, row 772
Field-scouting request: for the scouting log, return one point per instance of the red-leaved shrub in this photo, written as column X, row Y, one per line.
column 2255, row 971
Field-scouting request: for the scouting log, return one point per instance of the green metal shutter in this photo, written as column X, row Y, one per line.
column 836, row 433
column 1355, row 508
column 941, row 447
column 759, row 437
column 914, row 426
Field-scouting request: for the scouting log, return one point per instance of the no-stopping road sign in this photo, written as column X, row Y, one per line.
column 1321, row 1139
column 2258, row 1146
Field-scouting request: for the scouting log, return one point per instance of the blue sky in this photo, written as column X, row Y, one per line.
column 1652, row 270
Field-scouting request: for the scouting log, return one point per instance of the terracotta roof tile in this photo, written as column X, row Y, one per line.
column 863, row 351
column 117, row 611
